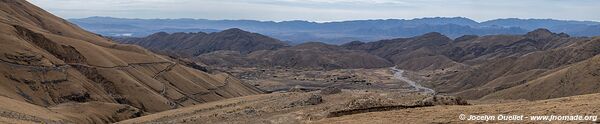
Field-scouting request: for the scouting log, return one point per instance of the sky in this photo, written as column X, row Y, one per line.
column 325, row 10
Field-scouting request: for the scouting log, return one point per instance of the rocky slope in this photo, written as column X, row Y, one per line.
column 49, row 64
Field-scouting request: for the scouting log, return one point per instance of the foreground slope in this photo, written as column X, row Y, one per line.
column 362, row 107
column 47, row 62
column 20, row 112
column 575, row 105
column 294, row 107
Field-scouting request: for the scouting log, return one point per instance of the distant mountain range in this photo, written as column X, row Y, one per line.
column 296, row 32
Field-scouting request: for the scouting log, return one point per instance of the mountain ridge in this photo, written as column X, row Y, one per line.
column 339, row 32
column 193, row 44
column 456, row 18
column 475, row 66
column 270, row 52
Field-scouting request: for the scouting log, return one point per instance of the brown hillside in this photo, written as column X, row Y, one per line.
column 475, row 66
column 47, row 62
column 577, row 79
column 307, row 55
column 192, row 44
column 499, row 73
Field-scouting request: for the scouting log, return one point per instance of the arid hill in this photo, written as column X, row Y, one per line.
column 235, row 47
column 53, row 71
column 193, row 44
column 475, row 66
column 469, row 66
column 576, row 79
column 416, row 53
column 314, row 55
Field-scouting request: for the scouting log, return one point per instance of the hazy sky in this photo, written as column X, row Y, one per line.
column 325, row 10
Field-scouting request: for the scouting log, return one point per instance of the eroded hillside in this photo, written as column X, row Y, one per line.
column 46, row 62
column 475, row 66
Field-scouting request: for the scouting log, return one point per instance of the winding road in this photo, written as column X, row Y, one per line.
column 398, row 74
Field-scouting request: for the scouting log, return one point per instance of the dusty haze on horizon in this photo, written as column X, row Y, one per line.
column 325, row 10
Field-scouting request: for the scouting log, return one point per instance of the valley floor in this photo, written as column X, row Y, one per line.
column 281, row 80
